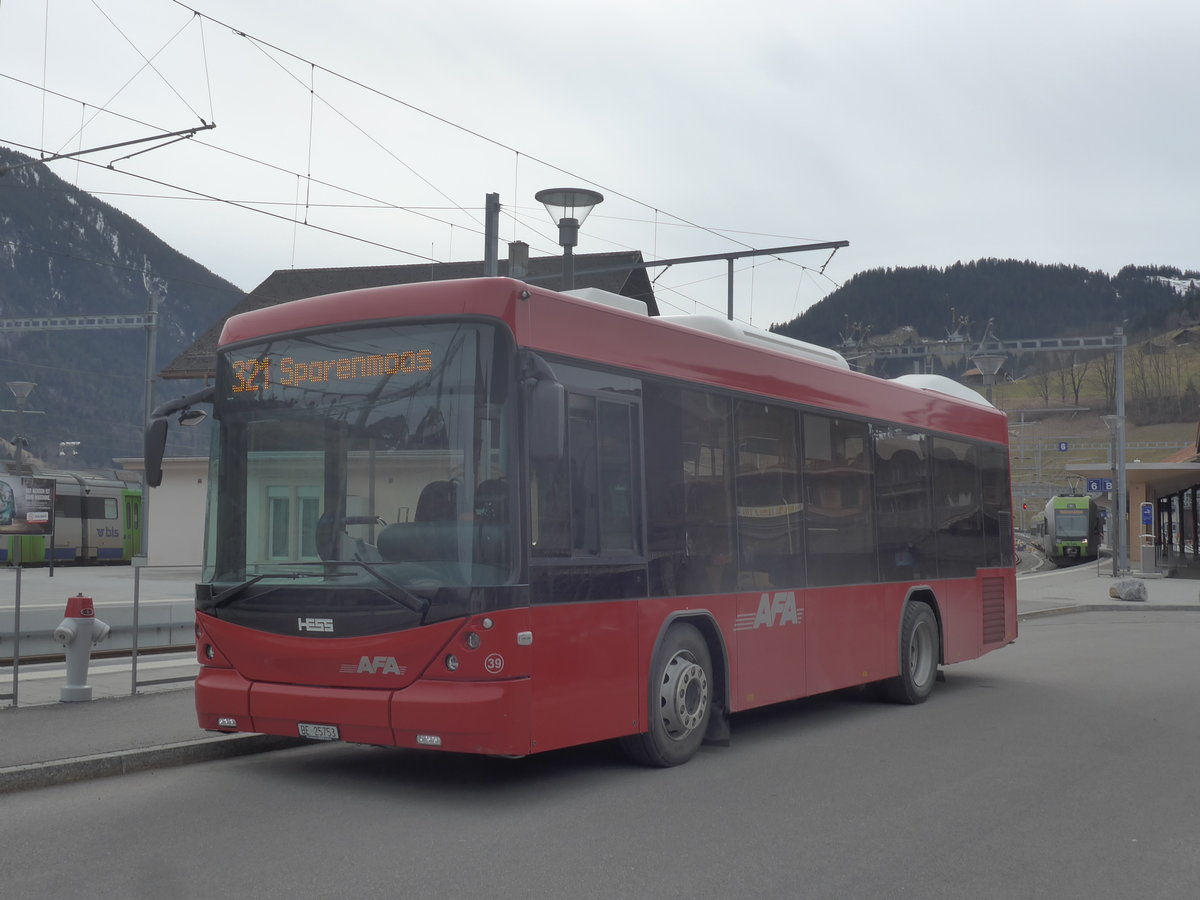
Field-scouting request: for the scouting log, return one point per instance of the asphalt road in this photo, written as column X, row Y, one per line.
column 1063, row 766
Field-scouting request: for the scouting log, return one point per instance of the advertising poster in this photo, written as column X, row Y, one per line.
column 26, row 505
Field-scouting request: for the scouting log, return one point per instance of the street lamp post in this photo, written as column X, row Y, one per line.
column 989, row 366
column 988, row 359
column 568, row 207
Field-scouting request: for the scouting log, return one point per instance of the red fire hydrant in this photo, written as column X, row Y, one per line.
column 78, row 632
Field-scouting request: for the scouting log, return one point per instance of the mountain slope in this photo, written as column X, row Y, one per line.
column 1021, row 299
column 63, row 252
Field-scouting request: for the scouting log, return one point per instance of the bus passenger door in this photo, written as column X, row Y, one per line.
column 769, row 627
column 588, row 569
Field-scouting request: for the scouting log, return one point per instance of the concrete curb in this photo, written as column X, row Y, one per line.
column 1134, row 605
column 122, row 762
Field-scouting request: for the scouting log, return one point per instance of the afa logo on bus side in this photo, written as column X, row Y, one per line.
column 779, row 609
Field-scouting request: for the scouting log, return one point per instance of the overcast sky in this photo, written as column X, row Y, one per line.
column 924, row 133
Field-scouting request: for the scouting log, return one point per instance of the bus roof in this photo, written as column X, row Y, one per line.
column 704, row 349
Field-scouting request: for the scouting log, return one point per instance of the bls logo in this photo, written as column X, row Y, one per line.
column 777, row 610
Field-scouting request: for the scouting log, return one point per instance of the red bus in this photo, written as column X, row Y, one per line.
column 484, row 517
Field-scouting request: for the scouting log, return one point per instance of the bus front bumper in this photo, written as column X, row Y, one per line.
column 489, row 717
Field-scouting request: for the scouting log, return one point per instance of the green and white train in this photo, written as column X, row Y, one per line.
column 97, row 518
column 1069, row 530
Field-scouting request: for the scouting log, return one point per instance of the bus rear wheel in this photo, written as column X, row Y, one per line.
column 918, row 657
column 680, row 694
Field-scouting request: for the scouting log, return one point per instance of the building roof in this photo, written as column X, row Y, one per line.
column 621, row 273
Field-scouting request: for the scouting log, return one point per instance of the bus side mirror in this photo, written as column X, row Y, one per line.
column 154, row 447
column 154, row 442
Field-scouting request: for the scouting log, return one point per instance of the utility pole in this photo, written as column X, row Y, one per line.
column 156, row 293
column 1116, row 427
column 491, row 236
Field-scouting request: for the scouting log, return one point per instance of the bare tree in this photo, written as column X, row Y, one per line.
column 1077, row 374
column 1061, row 362
column 1106, row 374
column 1041, row 376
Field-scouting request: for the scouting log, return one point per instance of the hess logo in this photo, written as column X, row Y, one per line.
column 311, row 624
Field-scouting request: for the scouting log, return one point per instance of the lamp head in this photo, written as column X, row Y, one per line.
column 21, row 389
column 569, row 203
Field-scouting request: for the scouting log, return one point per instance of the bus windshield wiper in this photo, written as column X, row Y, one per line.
column 227, row 596
column 395, row 590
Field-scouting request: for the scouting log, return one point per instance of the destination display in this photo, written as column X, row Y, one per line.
column 261, row 373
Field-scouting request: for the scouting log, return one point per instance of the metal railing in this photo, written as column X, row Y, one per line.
column 150, row 609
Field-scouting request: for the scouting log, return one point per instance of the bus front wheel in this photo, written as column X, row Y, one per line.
column 918, row 657
column 680, row 700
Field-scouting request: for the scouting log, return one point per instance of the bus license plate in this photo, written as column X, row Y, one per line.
column 318, row 732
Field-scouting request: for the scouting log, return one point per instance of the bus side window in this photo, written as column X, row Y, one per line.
column 584, row 503
column 707, row 424
column 839, row 508
column 770, row 535
column 551, row 495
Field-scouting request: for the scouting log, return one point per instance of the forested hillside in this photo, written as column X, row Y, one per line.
column 1022, row 299
column 1155, row 305
column 62, row 253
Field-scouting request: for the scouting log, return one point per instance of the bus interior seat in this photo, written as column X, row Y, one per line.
column 419, row 542
column 433, row 533
column 491, row 500
column 438, row 502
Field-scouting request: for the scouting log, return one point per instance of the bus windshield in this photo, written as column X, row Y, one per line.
column 371, row 456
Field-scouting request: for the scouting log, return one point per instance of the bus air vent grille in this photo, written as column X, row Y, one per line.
column 993, row 611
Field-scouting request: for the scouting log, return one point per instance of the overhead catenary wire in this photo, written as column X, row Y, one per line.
column 417, row 210
column 452, row 124
column 661, row 218
column 330, row 231
column 252, row 206
column 375, row 202
column 212, row 113
column 148, row 63
column 314, row 95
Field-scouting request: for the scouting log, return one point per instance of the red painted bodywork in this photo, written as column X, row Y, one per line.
column 584, row 676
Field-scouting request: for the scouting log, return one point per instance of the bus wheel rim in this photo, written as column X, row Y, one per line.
column 920, row 654
column 683, row 696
